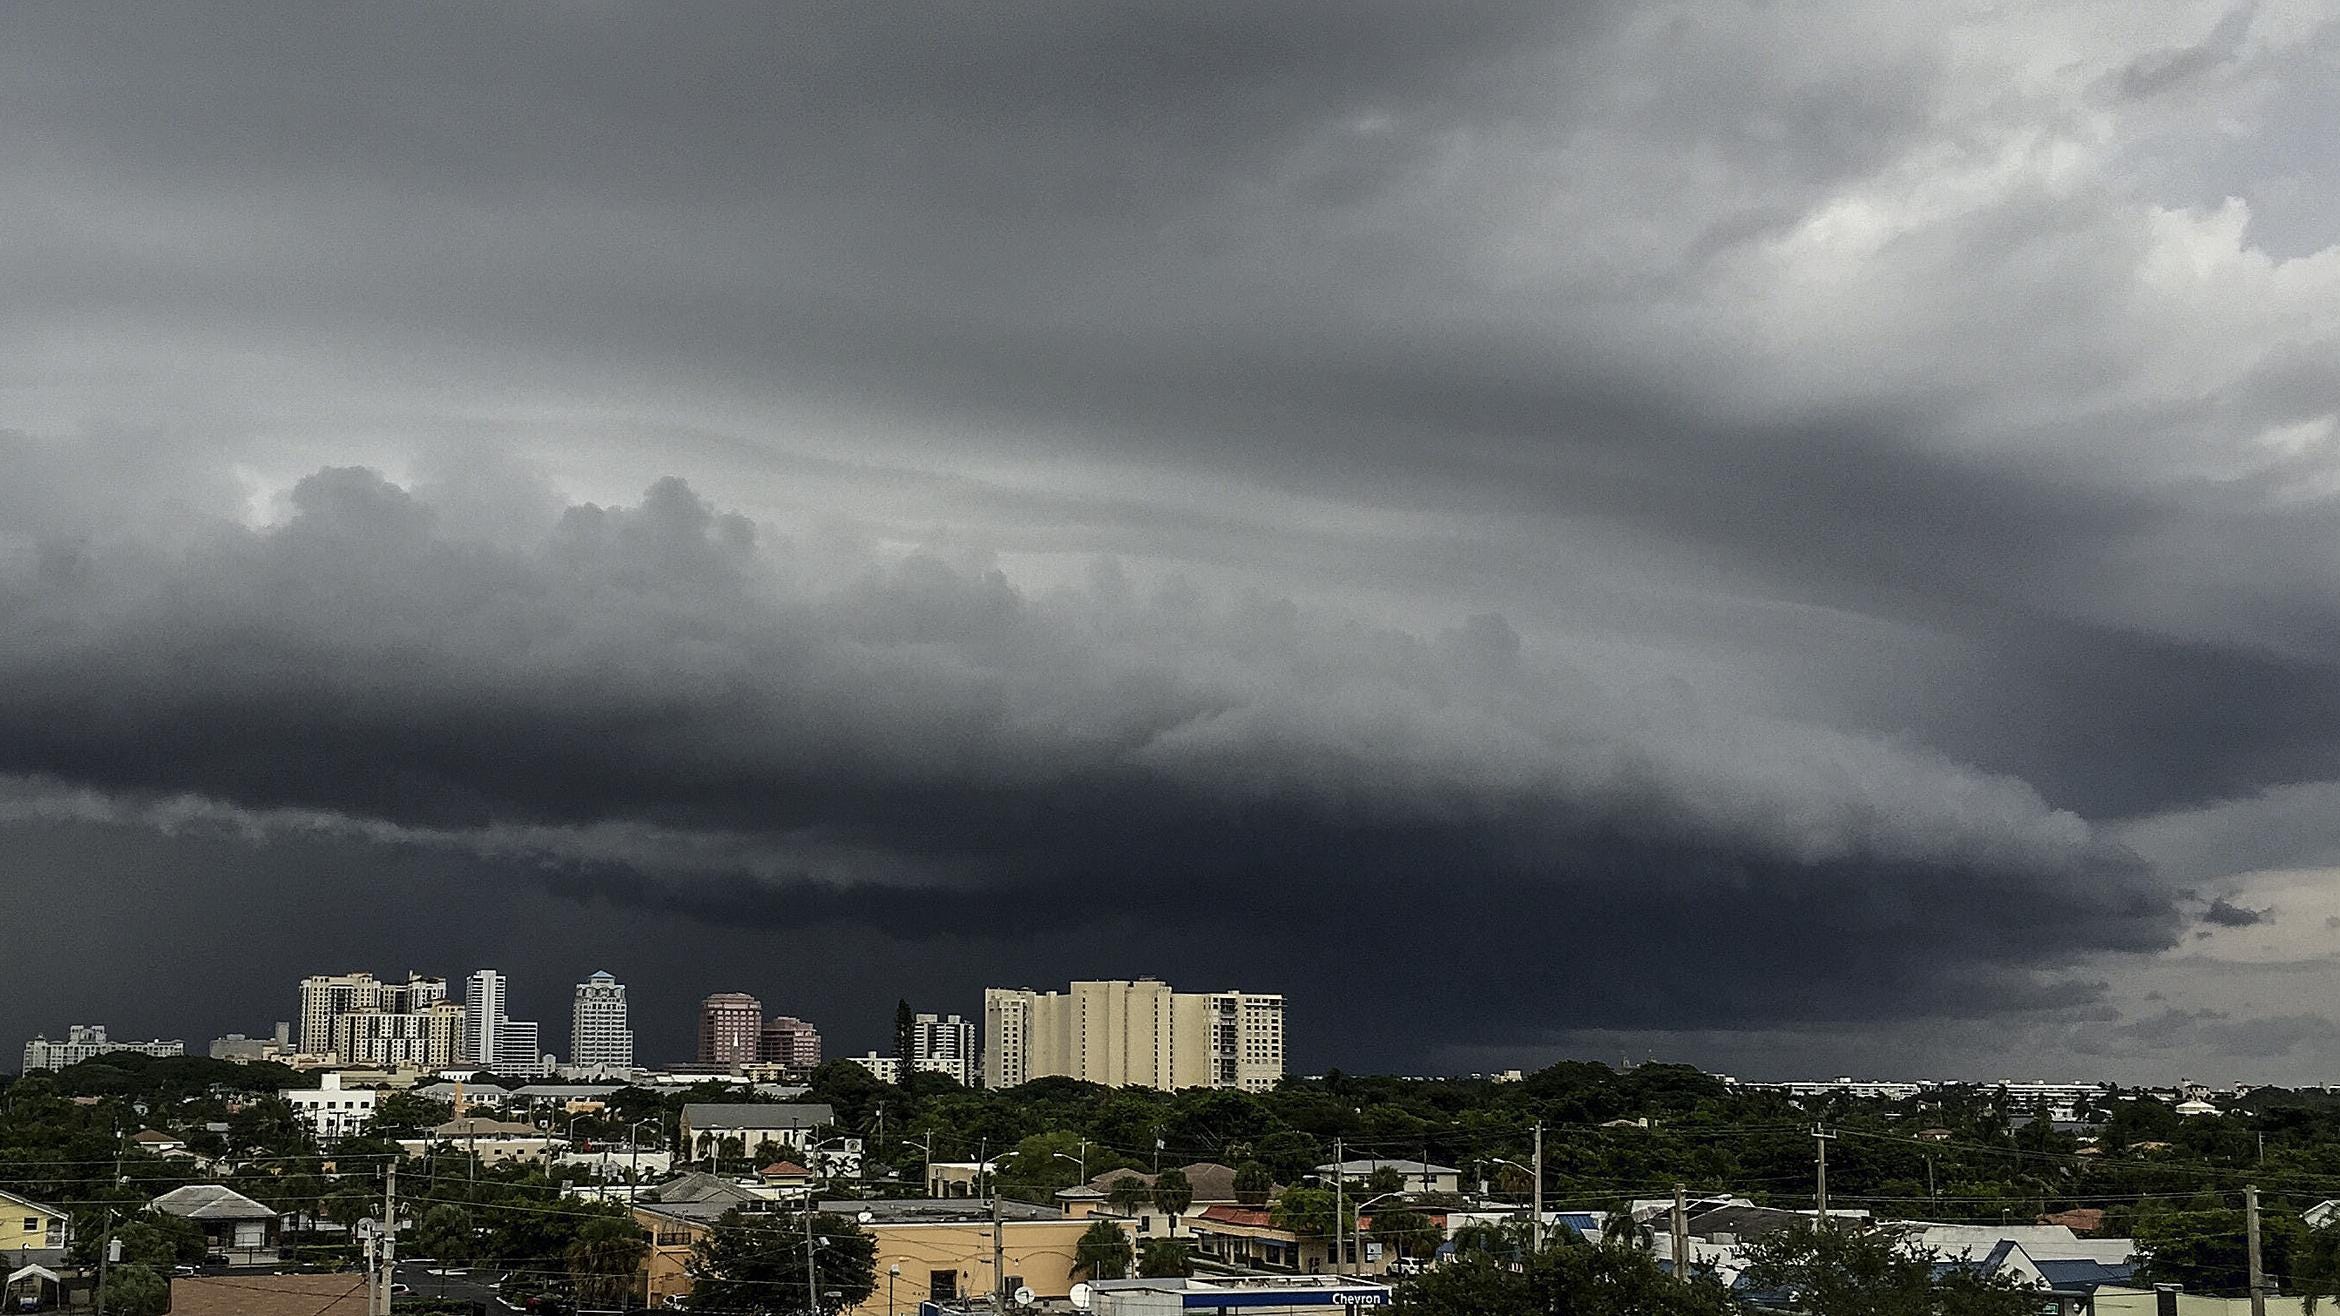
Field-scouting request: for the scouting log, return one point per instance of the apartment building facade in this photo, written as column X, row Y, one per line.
column 943, row 1044
column 85, row 1041
column 1133, row 1033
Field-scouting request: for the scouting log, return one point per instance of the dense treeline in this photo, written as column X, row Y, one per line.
column 1959, row 1154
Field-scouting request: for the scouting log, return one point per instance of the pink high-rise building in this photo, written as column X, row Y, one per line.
column 731, row 1028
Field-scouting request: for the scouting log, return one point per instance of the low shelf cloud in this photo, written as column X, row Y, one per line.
column 1775, row 535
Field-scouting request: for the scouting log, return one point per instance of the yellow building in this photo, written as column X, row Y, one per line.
column 926, row 1249
column 29, row 1231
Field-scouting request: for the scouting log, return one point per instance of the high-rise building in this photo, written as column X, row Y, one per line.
column 1133, row 1034
column 428, row 1038
column 85, row 1041
column 786, row 1040
column 943, row 1045
column 731, row 1029
column 399, row 1018
column 519, row 1048
column 483, row 1016
column 600, row 1033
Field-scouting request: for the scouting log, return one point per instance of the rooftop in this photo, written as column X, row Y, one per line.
column 210, row 1201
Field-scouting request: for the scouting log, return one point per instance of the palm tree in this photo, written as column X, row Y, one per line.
column 1103, row 1251
column 1129, row 1194
column 605, row 1256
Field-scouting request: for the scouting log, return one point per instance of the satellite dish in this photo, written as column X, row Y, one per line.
column 1024, row 1296
column 1080, row 1297
column 369, row 1228
column 866, row 1216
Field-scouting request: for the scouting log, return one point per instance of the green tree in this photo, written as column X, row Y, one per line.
column 1867, row 1272
column 1309, row 1212
column 1384, row 1179
column 758, row 1264
column 161, row 1241
column 444, row 1232
column 1173, row 1193
column 1129, row 1194
column 604, row 1258
column 1563, row 1277
column 1407, row 1231
column 136, row 1290
column 1103, row 1251
column 1165, row 1258
column 1253, row 1182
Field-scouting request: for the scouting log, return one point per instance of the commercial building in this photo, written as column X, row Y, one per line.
column 1140, row 1033
column 244, row 1050
column 331, row 1110
column 930, row 1251
column 943, row 1045
column 731, row 1029
column 789, row 1041
column 1256, row 1295
column 86, row 1041
column 601, row 1033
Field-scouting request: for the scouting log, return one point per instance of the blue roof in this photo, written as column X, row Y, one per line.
column 2085, row 1273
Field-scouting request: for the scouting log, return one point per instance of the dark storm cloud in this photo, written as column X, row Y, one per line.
column 2226, row 914
column 1799, row 452
column 896, row 743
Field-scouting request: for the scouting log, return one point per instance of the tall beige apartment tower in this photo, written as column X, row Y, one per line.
column 1133, row 1033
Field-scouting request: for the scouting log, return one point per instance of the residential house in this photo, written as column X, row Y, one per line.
column 30, row 1233
column 786, row 1177
column 157, row 1143
column 1418, row 1176
column 234, row 1226
column 494, row 1142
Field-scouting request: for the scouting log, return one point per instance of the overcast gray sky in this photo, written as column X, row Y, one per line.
column 1794, row 537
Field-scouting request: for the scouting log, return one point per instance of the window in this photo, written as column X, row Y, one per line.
column 32, row 1224
column 942, row 1285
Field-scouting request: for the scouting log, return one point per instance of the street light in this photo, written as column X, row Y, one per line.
column 893, row 1272
column 1535, row 1217
column 634, row 1150
column 1081, row 1161
column 1357, row 1218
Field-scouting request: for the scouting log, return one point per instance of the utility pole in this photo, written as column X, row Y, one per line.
column 1930, row 1178
column 2251, row 1240
column 1681, row 1235
column 812, row 1264
column 1340, row 1209
column 387, row 1273
column 105, row 1255
column 1820, row 1137
column 999, row 1301
column 1536, row 1209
